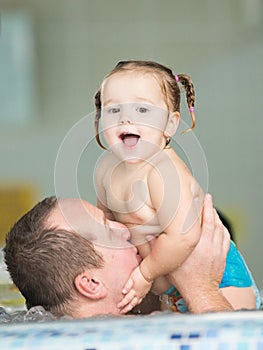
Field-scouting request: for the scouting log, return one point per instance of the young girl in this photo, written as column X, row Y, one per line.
column 144, row 184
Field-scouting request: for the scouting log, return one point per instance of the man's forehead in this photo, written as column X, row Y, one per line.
column 76, row 215
column 75, row 204
column 71, row 213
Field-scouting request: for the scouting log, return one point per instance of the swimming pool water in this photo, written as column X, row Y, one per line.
column 222, row 331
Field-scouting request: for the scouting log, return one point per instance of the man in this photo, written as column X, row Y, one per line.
column 67, row 257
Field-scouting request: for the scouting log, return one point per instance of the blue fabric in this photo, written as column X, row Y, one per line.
column 236, row 274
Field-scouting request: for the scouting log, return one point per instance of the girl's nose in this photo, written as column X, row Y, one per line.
column 125, row 121
column 126, row 115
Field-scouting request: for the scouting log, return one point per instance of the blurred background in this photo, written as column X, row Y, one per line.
column 53, row 55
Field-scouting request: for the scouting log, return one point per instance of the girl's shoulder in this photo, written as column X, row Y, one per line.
column 179, row 163
column 169, row 166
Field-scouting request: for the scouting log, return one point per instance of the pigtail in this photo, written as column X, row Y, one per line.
column 187, row 83
column 97, row 118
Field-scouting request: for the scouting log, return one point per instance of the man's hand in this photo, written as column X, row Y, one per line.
column 134, row 291
column 198, row 278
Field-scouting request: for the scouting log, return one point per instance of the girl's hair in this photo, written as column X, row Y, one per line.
column 168, row 83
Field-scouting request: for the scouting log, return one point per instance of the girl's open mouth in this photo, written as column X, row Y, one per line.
column 129, row 139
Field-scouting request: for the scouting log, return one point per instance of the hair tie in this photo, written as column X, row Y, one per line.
column 176, row 78
column 191, row 109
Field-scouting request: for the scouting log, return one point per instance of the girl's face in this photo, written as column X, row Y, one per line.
column 135, row 117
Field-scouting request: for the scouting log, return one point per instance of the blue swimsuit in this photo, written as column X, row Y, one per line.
column 236, row 274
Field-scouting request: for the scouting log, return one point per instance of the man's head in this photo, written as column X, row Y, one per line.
column 63, row 254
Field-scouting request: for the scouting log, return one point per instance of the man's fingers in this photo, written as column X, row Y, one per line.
column 217, row 218
column 208, row 216
column 221, row 234
column 226, row 242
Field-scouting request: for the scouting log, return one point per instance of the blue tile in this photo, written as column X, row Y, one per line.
column 176, row 336
column 185, row 347
column 194, row 335
column 212, row 333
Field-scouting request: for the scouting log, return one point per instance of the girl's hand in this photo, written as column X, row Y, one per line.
column 134, row 291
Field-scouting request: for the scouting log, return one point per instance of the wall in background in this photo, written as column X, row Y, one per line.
column 218, row 43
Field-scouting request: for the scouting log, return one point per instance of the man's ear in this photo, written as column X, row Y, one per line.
column 90, row 286
column 172, row 124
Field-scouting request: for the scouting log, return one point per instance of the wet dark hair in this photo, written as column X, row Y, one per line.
column 168, row 83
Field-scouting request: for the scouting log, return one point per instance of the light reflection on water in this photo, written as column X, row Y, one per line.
column 36, row 314
column 39, row 314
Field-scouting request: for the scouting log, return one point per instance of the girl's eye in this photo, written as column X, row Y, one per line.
column 142, row 110
column 110, row 110
column 113, row 110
